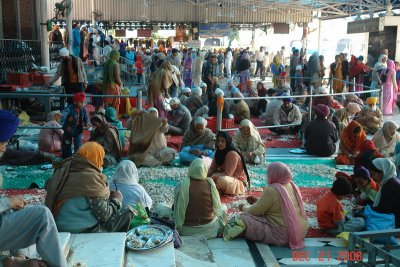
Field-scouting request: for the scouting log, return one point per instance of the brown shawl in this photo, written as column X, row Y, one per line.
column 191, row 138
column 143, row 129
column 159, row 82
column 112, row 142
column 75, row 177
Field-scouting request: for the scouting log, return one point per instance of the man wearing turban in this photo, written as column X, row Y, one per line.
column 370, row 117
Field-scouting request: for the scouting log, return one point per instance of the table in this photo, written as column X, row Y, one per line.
column 41, row 93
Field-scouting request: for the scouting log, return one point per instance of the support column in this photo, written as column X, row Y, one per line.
column 1, row 21
column 69, row 26
column 93, row 16
column 18, row 10
column 44, row 34
column 319, row 35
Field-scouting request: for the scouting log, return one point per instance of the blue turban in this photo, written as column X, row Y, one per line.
column 9, row 123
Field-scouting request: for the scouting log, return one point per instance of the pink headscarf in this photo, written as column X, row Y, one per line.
column 390, row 64
column 278, row 175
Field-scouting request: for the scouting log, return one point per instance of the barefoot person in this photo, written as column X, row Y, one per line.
column 26, row 226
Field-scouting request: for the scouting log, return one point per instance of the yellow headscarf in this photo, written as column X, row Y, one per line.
column 93, row 152
column 197, row 170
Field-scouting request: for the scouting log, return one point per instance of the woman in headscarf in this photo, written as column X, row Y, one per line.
column 357, row 71
column 111, row 117
column 248, row 142
column 198, row 142
column 350, row 140
column 112, row 83
column 276, row 69
column 197, row 209
column 378, row 67
column 388, row 79
column 278, row 216
column 126, row 179
column 106, row 135
column 337, row 75
column 159, row 83
column 388, row 197
column 228, row 168
column 50, row 139
column 187, row 70
column 148, row 145
column 367, row 154
column 386, row 138
column 79, row 198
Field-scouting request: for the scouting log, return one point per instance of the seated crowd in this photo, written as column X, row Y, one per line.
column 80, row 198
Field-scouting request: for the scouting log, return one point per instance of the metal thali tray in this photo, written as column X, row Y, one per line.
column 148, row 237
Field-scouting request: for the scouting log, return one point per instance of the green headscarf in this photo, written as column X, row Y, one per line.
column 111, row 115
column 108, row 71
column 197, row 170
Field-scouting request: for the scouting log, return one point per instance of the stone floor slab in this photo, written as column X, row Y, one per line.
column 97, row 250
column 162, row 257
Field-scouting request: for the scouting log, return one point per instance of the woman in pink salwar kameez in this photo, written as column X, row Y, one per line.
column 389, row 88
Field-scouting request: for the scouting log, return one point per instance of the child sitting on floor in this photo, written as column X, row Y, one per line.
column 330, row 214
column 366, row 188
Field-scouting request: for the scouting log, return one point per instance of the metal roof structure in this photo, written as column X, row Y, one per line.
column 328, row 8
column 230, row 11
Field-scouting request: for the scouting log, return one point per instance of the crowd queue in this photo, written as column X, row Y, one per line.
column 183, row 93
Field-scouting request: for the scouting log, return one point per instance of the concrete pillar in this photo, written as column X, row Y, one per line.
column 319, row 35
column 93, row 16
column 44, row 37
column 1, row 21
column 69, row 26
column 18, row 9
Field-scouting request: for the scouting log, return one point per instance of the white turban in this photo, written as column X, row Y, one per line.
column 219, row 92
column 203, row 84
column 197, row 91
column 152, row 109
column 200, row 120
column 174, row 101
column 64, row 52
column 186, row 90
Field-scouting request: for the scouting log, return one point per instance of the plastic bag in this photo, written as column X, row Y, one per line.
column 379, row 221
column 141, row 218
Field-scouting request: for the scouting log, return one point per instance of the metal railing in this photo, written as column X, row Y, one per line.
column 18, row 56
column 361, row 242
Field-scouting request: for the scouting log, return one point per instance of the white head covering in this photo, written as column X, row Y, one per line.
column 323, row 90
column 51, row 115
column 174, row 101
column 229, row 83
column 127, row 179
column 126, row 173
column 90, row 30
column 197, row 91
column 152, row 109
column 64, row 52
column 200, row 120
column 186, row 90
column 203, row 84
column 389, row 172
column 253, row 130
column 219, row 92
column 238, row 94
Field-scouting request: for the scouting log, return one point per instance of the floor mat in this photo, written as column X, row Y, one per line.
column 310, row 197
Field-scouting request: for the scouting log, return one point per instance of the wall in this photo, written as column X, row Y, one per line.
column 25, row 28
